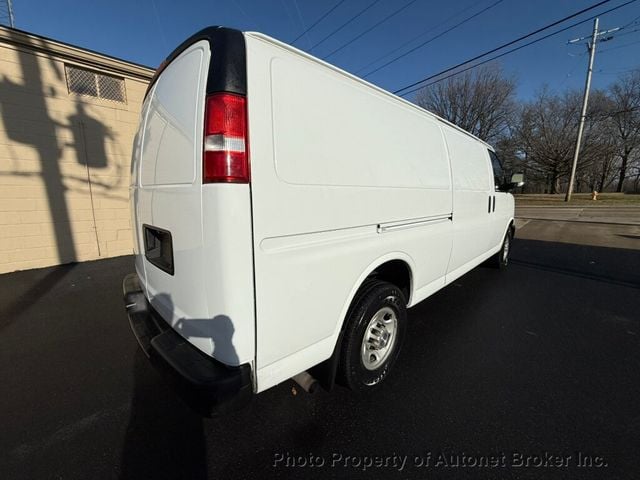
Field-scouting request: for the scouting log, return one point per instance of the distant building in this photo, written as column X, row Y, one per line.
column 68, row 117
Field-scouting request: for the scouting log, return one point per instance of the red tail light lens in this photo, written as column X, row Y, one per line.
column 225, row 155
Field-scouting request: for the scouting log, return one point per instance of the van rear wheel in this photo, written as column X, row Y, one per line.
column 375, row 329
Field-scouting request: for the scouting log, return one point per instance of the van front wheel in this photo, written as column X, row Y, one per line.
column 501, row 259
column 375, row 329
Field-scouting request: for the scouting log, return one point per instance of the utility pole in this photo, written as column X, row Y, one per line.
column 591, row 46
column 6, row 13
column 587, row 85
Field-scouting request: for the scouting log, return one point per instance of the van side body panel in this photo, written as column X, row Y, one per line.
column 342, row 178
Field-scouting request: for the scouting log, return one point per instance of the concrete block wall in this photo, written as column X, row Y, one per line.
column 64, row 158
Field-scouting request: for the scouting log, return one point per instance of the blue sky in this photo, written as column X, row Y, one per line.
column 145, row 31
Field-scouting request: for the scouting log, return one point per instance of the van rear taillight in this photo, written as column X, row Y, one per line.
column 225, row 156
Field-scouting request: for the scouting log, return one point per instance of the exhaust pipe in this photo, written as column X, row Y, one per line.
column 306, row 382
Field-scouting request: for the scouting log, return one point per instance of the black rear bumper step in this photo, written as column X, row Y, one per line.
column 207, row 385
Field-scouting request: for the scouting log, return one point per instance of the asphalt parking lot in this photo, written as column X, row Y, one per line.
column 524, row 367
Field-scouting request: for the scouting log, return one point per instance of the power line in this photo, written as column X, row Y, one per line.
column 509, row 44
column 295, row 4
column 246, row 15
column 435, row 37
column 626, row 33
column 503, row 54
column 613, row 37
column 619, row 46
column 345, row 24
column 325, row 15
column 444, row 22
column 573, row 68
column 616, row 31
column 632, row 22
column 388, row 17
column 292, row 17
column 602, row 71
column 605, row 115
column 513, row 42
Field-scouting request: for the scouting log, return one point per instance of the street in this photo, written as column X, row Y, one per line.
column 617, row 215
column 532, row 372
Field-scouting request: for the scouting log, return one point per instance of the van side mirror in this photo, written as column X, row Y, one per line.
column 517, row 180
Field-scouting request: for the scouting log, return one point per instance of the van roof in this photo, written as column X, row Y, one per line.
column 278, row 43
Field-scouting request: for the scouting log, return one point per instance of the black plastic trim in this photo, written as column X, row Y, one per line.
column 228, row 65
column 164, row 264
column 207, row 385
column 326, row 372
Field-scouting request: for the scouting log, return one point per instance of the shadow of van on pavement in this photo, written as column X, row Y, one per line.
column 164, row 437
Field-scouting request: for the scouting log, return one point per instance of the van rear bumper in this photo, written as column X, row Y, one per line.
column 207, row 385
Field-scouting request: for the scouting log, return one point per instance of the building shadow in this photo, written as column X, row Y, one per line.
column 45, row 143
column 22, row 301
column 27, row 121
column 90, row 136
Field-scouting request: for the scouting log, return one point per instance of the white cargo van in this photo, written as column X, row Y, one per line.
column 287, row 213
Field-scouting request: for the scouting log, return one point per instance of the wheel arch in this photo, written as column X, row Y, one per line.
column 392, row 267
column 396, row 268
column 511, row 226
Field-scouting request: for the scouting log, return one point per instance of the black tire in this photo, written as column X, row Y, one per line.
column 501, row 259
column 386, row 304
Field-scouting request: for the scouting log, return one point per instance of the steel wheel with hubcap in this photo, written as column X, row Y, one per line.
column 374, row 330
column 379, row 338
column 501, row 259
column 505, row 249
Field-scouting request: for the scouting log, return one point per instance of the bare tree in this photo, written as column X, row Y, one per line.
column 481, row 101
column 547, row 135
column 625, row 95
column 509, row 152
column 547, row 131
column 538, row 137
column 601, row 161
column 635, row 175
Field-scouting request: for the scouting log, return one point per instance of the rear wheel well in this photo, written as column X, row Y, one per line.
column 396, row 272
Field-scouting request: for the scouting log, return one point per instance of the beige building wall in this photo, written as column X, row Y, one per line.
column 64, row 158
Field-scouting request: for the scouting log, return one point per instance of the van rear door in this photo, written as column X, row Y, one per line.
column 192, row 201
column 169, row 207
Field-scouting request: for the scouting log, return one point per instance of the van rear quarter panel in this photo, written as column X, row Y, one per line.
column 332, row 159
